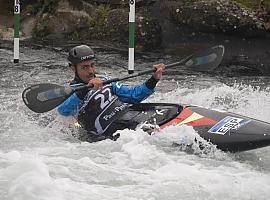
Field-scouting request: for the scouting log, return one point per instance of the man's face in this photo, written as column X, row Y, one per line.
column 86, row 70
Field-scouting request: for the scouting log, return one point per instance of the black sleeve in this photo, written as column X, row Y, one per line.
column 151, row 83
column 82, row 93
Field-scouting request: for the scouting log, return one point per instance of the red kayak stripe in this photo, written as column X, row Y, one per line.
column 198, row 120
column 201, row 122
column 182, row 116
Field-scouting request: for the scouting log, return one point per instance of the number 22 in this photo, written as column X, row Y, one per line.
column 103, row 101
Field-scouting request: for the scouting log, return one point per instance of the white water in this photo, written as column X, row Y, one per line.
column 40, row 160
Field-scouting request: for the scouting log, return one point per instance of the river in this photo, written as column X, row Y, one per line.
column 40, row 159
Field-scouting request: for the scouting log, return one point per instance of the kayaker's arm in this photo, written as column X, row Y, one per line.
column 139, row 92
column 134, row 94
column 70, row 106
column 151, row 83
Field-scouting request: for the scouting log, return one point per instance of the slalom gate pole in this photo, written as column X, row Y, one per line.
column 16, row 30
column 131, row 38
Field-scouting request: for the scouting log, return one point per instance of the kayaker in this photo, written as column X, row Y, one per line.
column 96, row 108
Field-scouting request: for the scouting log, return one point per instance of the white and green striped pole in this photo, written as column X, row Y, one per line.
column 131, row 37
column 16, row 30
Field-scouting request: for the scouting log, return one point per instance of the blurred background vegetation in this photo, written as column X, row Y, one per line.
column 6, row 7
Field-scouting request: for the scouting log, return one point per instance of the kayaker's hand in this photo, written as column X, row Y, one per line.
column 95, row 83
column 159, row 70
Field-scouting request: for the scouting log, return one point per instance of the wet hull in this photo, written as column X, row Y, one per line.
column 229, row 131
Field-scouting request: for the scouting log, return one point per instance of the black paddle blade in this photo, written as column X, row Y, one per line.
column 206, row 60
column 42, row 98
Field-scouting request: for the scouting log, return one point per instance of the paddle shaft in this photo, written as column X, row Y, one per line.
column 135, row 75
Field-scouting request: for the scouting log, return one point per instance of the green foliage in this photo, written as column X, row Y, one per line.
column 75, row 36
column 46, row 6
column 42, row 28
column 267, row 5
column 33, row 9
column 249, row 4
column 41, row 31
column 253, row 4
column 76, row 4
column 3, row 30
column 98, row 23
column 50, row 6
column 188, row 2
column 6, row 32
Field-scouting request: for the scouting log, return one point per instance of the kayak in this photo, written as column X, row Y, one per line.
column 228, row 131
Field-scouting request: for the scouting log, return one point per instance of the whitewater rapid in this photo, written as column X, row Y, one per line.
column 41, row 160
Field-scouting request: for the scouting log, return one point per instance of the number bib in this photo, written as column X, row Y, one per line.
column 100, row 109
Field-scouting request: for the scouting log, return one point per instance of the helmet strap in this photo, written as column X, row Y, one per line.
column 77, row 77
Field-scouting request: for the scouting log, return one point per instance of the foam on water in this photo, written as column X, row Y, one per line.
column 240, row 98
column 137, row 166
